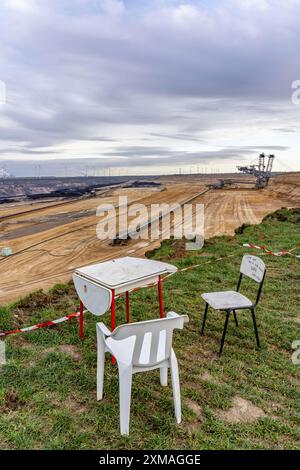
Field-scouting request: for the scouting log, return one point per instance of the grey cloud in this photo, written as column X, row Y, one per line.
column 176, row 136
column 141, row 156
column 78, row 75
column 288, row 130
column 259, row 148
column 130, row 157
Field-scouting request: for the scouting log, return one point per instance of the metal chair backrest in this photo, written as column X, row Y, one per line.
column 255, row 269
column 153, row 339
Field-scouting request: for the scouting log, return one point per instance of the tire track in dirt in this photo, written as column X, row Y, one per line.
column 249, row 213
column 34, row 268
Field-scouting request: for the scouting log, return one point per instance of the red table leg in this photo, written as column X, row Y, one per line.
column 81, row 320
column 113, row 311
column 127, row 308
column 113, row 317
column 160, row 297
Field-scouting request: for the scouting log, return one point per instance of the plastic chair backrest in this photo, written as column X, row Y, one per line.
column 253, row 267
column 153, row 339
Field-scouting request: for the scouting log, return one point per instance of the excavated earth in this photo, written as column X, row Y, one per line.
column 49, row 243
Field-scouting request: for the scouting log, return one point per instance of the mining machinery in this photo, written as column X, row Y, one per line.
column 262, row 171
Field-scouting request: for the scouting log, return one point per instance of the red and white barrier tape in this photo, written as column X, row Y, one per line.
column 269, row 252
column 42, row 325
column 188, row 268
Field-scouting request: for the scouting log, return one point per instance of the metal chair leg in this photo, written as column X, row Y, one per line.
column 255, row 328
column 204, row 319
column 235, row 318
column 224, row 332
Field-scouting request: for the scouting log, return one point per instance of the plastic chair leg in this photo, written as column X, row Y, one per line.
column 100, row 365
column 176, row 386
column 164, row 376
column 125, row 381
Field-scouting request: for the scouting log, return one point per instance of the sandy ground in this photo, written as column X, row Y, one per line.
column 51, row 242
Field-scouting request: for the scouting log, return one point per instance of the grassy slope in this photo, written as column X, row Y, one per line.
column 47, row 390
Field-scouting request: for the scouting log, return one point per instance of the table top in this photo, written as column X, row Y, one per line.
column 121, row 272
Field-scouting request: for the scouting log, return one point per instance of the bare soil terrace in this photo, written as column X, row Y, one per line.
column 49, row 243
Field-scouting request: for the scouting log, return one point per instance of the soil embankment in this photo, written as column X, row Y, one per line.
column 287, row 186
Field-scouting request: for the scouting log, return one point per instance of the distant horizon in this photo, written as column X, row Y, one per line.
column 12, row 177
column 76, row 167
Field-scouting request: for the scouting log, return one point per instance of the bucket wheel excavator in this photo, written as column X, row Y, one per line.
column 262, row 171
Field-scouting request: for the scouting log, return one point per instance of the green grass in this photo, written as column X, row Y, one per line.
column 47, row 389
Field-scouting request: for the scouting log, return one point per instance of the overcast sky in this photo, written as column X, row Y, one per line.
column 144, row 86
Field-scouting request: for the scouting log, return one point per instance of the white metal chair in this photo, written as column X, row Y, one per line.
column 231, row 301
column 140, row 347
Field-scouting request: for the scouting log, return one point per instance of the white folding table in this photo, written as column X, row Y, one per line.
column 98, row 285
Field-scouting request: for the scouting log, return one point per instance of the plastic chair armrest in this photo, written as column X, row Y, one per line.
column 172, row 315
column 175, row 315
column 104, row 330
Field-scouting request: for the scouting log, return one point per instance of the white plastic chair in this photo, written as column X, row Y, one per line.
column 231, row 301
column 140, row 347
